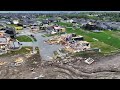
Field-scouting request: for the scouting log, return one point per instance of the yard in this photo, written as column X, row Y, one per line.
column 24, row 39
column 23, row 50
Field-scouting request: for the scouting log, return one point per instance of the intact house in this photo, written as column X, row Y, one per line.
column 52, row 20
column 96, row 26
column 15, row 21
column 34, row 28
column 113, row 25
column 55, row 29
column 90, row 27
column 45, row 22
column 6, row 21
column 100, row 25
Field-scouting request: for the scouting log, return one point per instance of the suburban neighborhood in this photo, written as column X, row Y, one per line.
column 64, row 45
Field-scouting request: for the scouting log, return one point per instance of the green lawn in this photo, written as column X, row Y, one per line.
column 106, row 38
column 24, row 39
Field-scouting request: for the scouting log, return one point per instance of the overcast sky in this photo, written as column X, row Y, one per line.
column 31, row 11
column 50, row 11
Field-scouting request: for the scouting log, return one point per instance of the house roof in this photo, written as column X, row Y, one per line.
column 49, row 28
column 45, row 21
column 51, row 19
column 10, row 30
column 3, row 41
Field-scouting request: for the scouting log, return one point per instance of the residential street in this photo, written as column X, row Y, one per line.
column 46, row 50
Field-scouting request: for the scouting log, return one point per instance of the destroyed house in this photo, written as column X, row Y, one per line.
column 4, row 39
column 2, row 34
column 3, row 43
column 78, row 38
column 82, row 46
column 11, row 32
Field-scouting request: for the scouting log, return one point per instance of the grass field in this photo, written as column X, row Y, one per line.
column 108, row 41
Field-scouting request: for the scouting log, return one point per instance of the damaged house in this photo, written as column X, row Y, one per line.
column 76, row 44
column 4, row 41
column 11, row 31
column 7, row 40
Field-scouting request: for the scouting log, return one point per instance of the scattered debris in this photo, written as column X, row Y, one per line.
column 71, row 42
column 41, row 76
column 32, row 69
column 19, row 60
column 95, row 39
column 2, row 63
column 28, row 49
column 89, row 61
column 35, row 62
column 28, row 55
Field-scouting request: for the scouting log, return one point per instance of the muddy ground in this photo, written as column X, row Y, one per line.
column 33, row 68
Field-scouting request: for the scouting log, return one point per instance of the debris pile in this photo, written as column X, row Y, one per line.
column 54, row 40
column 66, row 60
column 2, row 63
column 71, row 42
column 18, row 61
column 89, row 61
column 60, row 54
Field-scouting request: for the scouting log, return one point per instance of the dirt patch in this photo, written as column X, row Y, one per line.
column 34, row 61
column 75, row 68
